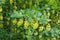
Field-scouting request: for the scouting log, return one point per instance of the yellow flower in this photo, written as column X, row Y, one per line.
column 15, row 7
column 48, row 38
column 54, row 20
column 18, row 30
column 7, row 14
column 14, row 30
column 54, row 38
column 7, row 22
column 53, row 12
column 21, row 13
column 28, row 38
column 20, row 22
column 45, row 14
column 32, row 22
column 58, row 21
column 57, row 14
column 1, row 9
column 37, row 1
column 46, row 22
column 8, row 18
column 14, row 21
column 36, row 33
column 23, row 35
column 4, row 0
column 30, row 3
column 26, row 24
column 48, row 14
column 26, row 2
column 1, row 25
column 29, row 32
column 48, row 27
column 41, row 28
column 11, row 1
column 40, row 36
column 1, row 17
column 35, row 26
column 24, row 6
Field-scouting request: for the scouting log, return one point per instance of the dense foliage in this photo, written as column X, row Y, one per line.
column 29, row 19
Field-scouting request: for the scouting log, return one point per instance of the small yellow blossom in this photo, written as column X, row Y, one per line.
column 48, row 27
column 14, row 21
column 53, row 11
column 36, row 1
column 26, row 2
column 58, row 21
column 35, row 26
column 46, row 22
column 48, row 38
column 45, row 14
column 24, row 6
column 30, row 3
column 28, row 38
column 8, row 18
column 20, row 22
column 15, row 7
column 29, row 32
column 14, row 30
column 36, row 33
column 41, row 28
column 21, row 13
column 32, row 22
column 1, row 17
column 18, row 30
column 48, row 14
column 11, row 1
column 7, row 22
column 1, row 25
column 54, row 38
column 40, row 36
column 7, row 14
column 23, row 35
column 1, row 9
column 26, row 24
column 57, row 14
column 4, row 0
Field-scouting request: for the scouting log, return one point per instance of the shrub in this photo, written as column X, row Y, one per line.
column 29, row 19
